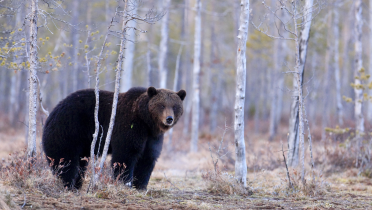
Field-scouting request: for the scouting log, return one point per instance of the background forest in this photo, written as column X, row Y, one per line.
column 64, row 69
column 337, row 92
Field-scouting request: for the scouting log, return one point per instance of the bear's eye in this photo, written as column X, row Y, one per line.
column 162, row 106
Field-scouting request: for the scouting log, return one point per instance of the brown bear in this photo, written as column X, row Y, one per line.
column 142, row 117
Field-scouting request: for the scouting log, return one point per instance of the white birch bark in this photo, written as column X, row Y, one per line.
column 369, row 113
column 74, row 50
column 296, row 121
column 240, row 161
column 326, row 77
column 336, row 66
column 127, row 72
column 280, row 88
column 15, row 82
column 301, row 49
column 186, row 75
column 359, row 124
column 13, row 95
column 96, row 109
column 278, row 80
column 33, row 59
column 217, row 80
column 117, row 88
column 148, row 63
column 195, row 80
column 163, row 49
column 274, row 91
column 175, row 84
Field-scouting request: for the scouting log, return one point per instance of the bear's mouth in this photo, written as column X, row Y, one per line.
column 165, row 126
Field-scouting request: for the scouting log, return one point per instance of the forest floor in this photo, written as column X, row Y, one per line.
column 183, row 180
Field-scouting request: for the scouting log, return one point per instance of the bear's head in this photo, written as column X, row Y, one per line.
column 165, row 107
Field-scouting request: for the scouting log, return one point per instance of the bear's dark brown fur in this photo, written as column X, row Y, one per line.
column 142, row 117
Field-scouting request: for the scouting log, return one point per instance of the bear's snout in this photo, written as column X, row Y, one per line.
column 169, row 120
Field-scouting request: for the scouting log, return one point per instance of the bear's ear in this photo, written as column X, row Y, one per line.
column 151, row 91
column 181, row 94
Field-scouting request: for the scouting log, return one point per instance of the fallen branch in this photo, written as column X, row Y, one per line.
column 171, row 183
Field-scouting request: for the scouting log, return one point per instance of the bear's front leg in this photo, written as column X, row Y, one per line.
column 124, row 167
column 146, row 163
column 125, row 154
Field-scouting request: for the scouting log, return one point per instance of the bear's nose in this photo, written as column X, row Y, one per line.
column 169, row 120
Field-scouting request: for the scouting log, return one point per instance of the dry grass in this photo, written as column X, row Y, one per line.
column 184, row 180
column 224, row 183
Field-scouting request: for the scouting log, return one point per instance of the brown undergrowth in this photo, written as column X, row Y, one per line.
column 195, row 181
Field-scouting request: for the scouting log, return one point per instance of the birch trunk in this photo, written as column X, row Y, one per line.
column 186, row 75
column 301, row 49
column 280, row 88
column 347, row 63
column 293, row 141
column 175, row 84
column 277, row 92
column 31, row 147
column 127, row 73
column 216, row 79
column 369, row 113
column 15, row 82
column 164, row 46
column 96, row 109
column 359, row 124
column 240, row 161
column 195, row 81
column 148, row 63
column 296, row 121
column 326, row 78
column 74, row 49
column 336, row 66
column 13, row 96
column 274, row 93
column 117, row 89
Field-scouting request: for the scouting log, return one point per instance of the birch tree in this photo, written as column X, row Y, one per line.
column 216, row 77
column 195, row 80
column 300, row 38
column 240, row 161
column 295, row 121
column 148, row 63
column 163, row 49
column 327, row 77
column 14, row 106
column 127, row 74
column 336, row 65
column 96, row 109
column 279, row 55
column 128, row 14
column 369, row 112
column 175, row 85
column 75, row 49
column 358, row 109
column 33, row 59
column 123, row 40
